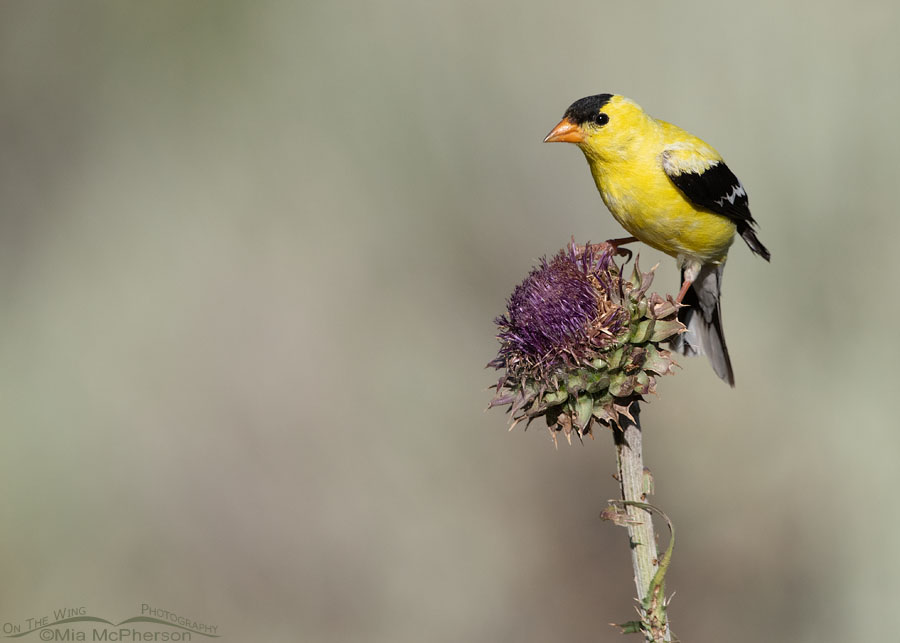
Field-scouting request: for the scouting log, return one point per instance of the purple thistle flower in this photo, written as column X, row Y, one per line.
column 579, row 344
column 554, row 312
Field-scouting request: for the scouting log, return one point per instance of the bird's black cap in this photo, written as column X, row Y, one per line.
column 585, row 109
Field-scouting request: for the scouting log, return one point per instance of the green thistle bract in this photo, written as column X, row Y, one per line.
column 579, row 343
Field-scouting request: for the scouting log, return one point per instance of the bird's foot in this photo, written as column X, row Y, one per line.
column 614, row 243
column 622, row 252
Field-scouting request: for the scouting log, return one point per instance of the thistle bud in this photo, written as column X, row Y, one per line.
column 579, row 344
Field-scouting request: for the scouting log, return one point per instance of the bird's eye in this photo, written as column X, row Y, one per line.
column 601, row 119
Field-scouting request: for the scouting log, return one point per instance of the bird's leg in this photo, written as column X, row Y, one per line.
column 690, row 270
column 683, row 291
column 621, row 242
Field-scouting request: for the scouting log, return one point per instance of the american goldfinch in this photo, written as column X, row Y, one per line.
column 674, row 192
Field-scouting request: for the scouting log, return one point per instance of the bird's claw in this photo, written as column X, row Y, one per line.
column 619, row 250
column 622, row 252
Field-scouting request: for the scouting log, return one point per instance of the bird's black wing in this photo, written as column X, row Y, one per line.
column 716, row 188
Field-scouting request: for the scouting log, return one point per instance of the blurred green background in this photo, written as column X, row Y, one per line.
column 250, row 257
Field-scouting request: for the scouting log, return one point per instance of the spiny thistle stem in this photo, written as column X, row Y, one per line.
column 635, row 484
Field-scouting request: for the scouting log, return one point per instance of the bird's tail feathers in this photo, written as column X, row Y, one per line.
column 702, row 315
column 748, row 234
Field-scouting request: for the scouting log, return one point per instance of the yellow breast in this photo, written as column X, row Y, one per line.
column 648, row 205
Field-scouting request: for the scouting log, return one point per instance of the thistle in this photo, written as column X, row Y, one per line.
column 579, row 343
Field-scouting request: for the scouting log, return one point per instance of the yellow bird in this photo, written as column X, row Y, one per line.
column 674, row 192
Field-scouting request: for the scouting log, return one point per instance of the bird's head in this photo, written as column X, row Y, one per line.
column 603, row 126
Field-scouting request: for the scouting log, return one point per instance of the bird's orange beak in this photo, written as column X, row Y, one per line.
column 565, row 132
